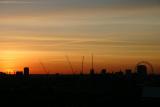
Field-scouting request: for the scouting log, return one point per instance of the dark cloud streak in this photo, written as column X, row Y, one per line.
column 81, row 3
column 14, row 7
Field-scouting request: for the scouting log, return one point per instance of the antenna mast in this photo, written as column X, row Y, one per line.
column 92, row 62
column 92, row 68
column 82, row 64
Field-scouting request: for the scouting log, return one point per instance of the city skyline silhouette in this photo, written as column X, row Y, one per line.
column 150, row 69
column 79, row 53
column 91, row 89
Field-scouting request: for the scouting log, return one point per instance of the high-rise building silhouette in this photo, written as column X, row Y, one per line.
column 142, row 71
column 26, row 71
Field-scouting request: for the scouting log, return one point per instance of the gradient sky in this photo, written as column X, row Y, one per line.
column 119, row 33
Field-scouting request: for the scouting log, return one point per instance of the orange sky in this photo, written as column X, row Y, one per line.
column 118, row 34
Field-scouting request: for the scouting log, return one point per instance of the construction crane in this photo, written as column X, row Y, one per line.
column 70, row 64
column 44, row 68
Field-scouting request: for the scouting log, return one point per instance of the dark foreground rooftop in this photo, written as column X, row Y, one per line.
column 79, row 90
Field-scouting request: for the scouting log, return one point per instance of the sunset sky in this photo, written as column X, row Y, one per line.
column 119, row 33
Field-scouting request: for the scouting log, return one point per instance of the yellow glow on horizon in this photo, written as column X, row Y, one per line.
column 8, row 62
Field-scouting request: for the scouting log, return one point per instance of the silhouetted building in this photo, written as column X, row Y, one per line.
column 2, row 74
column 142, row 71
column 103, row 72
column 19, row 73
column 119, row 75
column 26, row 71
column 128, row 74
column 92, row 72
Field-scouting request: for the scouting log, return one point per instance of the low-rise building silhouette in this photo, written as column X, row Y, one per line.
column 19, row 73
column 92, row 72
column 103, row 72
column 128, row 74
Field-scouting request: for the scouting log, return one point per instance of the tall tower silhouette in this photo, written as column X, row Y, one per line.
column 82, row 65
column 26, row 71
column 92, row 67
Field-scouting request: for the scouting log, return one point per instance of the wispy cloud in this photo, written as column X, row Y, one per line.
column 15, row 2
